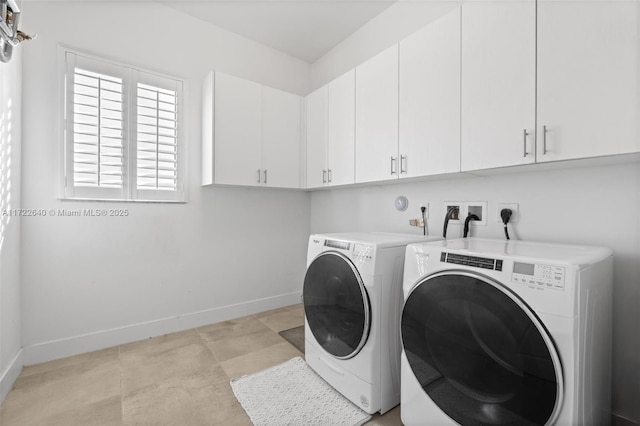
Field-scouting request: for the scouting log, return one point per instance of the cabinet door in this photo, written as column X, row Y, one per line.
column 588, row 78
column 341, row 138
column 238, row 130
column 377, row 117
column 498, row 83
column 316, row 129
column 430, row 99
column 280, row 138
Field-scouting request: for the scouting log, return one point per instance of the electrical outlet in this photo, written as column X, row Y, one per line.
column 455, row 220
column 479, row 208
column 515, row 216
column 426, row 210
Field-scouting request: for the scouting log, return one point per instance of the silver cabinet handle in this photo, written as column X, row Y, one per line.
column 330, row 175
column 324, row 176
column 265, row 176
column 403, row 164
column 525, row 142
column 393, row 170
column 544, row 140
column 258, row 175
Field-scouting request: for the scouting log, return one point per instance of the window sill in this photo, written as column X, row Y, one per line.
column 118, row 200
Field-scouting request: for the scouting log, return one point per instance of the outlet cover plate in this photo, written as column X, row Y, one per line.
column 515, row 215
column 478, row 208
column 426, row 211
column 461, row 208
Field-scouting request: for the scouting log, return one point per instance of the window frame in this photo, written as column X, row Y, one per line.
column 131, row 75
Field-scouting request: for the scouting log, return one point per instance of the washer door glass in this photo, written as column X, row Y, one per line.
column 480, row 353
column 336, row 305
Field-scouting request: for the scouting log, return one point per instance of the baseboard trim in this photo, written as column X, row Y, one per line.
column 11, row 373
column 56, row 349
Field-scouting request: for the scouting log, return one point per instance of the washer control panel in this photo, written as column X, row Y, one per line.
column 363, row 252
column 336, row 244
column 539, row 276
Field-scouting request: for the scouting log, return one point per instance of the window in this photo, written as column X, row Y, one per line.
column 122, row 132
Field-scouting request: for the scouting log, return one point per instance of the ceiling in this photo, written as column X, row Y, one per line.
column 305, row 29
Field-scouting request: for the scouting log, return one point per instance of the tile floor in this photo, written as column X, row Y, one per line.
column 177, row 379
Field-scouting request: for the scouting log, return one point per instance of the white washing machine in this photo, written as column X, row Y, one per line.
column 352, row 299
column 506, row 333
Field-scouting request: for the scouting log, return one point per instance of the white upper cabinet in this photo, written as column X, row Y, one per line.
column 377, row 118
column 331, row 133
column 316, row 119
column 341, row 130
column 238, row 130
column 490, row 84
column 251, row 133
column 498, row 83
column 430, row 99
column 588, row 78
column 281, row 122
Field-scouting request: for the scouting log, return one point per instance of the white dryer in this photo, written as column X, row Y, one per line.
column 352, row 299
column 506, row 333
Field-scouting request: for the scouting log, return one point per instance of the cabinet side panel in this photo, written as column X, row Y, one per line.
column 208, row 88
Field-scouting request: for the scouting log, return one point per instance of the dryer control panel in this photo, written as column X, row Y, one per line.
column 538, row 276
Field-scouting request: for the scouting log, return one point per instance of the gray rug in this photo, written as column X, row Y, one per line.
column 295, row 336
column 292, row 394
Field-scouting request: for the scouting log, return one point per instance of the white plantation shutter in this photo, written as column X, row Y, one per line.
column 157, row 138
column 98, row 130
column 122, row 132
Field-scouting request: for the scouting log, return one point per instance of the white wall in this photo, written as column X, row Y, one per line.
column 579, row 205
column 95, row 282
column 10, row 145
column 576, row 205
column 397, row 22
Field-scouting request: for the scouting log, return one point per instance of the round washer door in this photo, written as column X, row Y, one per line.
column 336, row 305
column 479, row 352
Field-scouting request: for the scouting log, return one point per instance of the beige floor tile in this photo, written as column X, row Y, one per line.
column 147, row 367
column 199, row 399
column 390, row 418
column 298, row 307
column 102, row 413
column 234, row 328
column 259, row 360
column 239, row 420
column 70, row 363
column 290, row 318
column 234, row 346
column 158, row 345
column 54, row 392
column 176, row 379
column 273, row 312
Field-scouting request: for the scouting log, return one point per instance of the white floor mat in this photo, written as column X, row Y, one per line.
column 293, row 394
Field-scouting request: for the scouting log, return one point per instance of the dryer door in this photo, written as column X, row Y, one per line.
column 336, row 305
column 479, row 352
